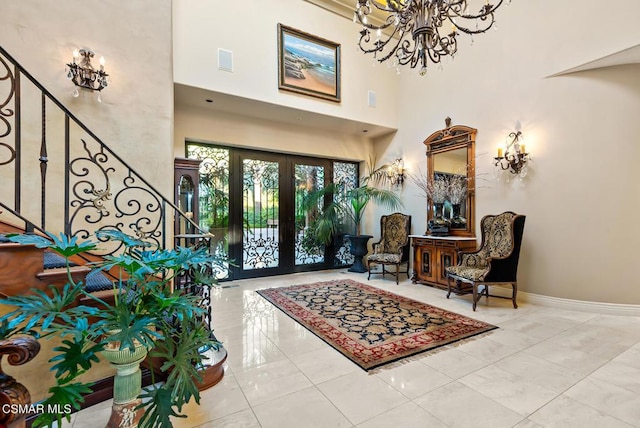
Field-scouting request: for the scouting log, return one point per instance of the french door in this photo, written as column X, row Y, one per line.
column 252, row 202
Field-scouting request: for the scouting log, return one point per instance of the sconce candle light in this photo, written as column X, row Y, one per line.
column 82, row 73
column 515, row 157
column 395, row 172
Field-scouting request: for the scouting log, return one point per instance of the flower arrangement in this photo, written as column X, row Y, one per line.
column 437, row 190
column 457, row 189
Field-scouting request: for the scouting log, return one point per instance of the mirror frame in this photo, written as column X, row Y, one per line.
column 453, row 138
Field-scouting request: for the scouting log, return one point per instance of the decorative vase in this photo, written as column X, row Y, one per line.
column 358, row 248
column 438, row 225
column 127, row 384
column 457, row 221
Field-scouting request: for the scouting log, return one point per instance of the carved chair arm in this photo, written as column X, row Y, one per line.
column 19, row 350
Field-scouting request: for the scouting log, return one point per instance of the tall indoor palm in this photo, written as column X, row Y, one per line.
column 344, row 212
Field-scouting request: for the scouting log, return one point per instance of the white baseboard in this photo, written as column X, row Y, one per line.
column 581, row 305
column 570, row 304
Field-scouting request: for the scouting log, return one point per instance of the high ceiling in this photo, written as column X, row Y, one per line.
column 190, row 96
column 630, row 55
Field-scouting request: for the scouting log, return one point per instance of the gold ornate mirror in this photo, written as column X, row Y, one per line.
column 451, row 172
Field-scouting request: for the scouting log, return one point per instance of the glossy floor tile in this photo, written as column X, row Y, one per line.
column 543, row 368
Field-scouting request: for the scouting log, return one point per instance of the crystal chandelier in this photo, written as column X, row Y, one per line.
column 416, row 31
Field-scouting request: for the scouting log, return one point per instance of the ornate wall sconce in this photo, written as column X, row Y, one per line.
column 84, row 75
column 395, row 172
column 514, row 157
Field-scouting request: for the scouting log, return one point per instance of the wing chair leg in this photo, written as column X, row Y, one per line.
column 475, row 295
column 448, row 286
column 515, row 291
column 397, row 274
column 369, row 269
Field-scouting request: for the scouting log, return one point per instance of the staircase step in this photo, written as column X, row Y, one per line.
column 53, row 260
column 58, row 276
column 45, row 267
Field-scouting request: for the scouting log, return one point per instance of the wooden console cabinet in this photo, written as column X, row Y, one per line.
column 432, row 254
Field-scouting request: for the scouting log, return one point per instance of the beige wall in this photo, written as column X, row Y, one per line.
column 196, row 124
column 581, row 196
column 135, row 118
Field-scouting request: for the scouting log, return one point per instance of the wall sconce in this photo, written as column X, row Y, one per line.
column 82, row 73
column 395, row 172
column 514, row 157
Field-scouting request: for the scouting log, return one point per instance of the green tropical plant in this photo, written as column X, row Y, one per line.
column 147, row 309
column 345, row 211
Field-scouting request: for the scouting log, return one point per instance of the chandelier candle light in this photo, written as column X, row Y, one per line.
column 415, row 31
column 82, row 73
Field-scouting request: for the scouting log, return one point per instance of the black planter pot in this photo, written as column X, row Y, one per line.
column 358, row 248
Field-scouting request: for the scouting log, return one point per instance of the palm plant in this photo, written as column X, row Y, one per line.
column 345, row 211
column 147, row 309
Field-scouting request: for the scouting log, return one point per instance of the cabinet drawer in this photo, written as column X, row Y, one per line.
column 447, row 244
column 422, row 241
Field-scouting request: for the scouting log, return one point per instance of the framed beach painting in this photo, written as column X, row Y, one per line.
column 308, row 64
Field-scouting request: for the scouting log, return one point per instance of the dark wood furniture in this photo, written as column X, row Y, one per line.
column 496, row 260
column 186, row 182
column 433, row 254
column 19, row 350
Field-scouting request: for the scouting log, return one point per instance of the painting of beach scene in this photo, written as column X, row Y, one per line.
column 308, row 64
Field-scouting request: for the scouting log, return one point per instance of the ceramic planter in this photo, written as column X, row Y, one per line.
column 127, row 384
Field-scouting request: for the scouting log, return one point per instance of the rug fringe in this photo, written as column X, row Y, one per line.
column 427, row 353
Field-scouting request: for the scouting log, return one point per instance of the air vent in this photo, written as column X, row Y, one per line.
column 225, row 60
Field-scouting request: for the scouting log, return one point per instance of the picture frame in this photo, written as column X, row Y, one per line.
column 308, row 64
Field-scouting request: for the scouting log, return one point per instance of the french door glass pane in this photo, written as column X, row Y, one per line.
column 347, row 174
column 260, row 203
column 308, row 178
column 214, row 198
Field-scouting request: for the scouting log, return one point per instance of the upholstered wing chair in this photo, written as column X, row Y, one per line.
column 495, row 262
column 393, row 247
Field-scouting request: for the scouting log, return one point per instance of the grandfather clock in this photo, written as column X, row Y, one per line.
column 186, row 183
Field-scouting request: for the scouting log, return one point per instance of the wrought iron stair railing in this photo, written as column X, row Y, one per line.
column 57, row 175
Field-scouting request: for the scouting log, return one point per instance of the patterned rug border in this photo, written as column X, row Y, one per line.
column 265, row 293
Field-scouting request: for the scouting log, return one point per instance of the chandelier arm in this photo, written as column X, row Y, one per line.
column 378, row 45
column 394, row 49
column 408, row 54
column 486, row 10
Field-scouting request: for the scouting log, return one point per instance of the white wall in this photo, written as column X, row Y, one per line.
column 581, row 197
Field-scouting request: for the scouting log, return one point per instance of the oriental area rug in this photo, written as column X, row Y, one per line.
column 370, row 326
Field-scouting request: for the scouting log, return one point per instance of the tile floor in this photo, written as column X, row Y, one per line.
column 543, row 367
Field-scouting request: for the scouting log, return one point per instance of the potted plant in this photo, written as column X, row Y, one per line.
column 344, row 213
column 147, row 312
